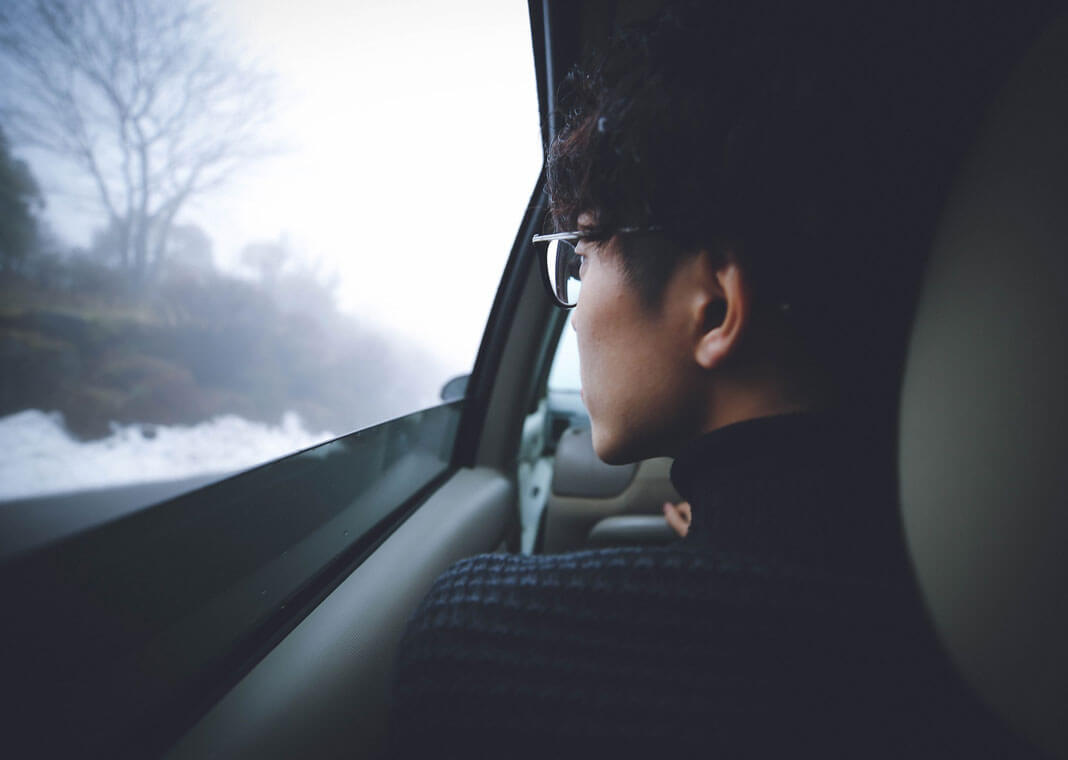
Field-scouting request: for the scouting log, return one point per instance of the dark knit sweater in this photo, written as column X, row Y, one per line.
column 783, row 624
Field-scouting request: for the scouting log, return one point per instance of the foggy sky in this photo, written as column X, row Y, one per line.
column 411, row 146
column 416, row 147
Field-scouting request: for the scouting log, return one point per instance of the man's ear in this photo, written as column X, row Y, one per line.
column 723, row 309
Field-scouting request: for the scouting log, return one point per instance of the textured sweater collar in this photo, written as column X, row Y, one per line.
column 796, row 488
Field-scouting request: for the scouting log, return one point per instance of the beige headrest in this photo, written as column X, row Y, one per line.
column 984, row 425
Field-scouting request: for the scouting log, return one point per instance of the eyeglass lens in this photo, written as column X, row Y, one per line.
column 562, row 263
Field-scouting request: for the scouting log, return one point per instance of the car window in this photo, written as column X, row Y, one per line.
column 233, row 230
column 296, row 232
column 560, row 409
column 564, row 395
column 564, row 375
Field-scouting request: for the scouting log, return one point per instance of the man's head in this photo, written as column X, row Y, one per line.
column 793, row 164
column 655, row 375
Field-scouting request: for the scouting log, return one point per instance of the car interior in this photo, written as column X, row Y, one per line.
column 119, row 644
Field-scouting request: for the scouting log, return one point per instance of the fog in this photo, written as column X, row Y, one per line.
column 313, row 247
column 406, row 147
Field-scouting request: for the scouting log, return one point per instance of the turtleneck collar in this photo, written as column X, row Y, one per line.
column 796, row 488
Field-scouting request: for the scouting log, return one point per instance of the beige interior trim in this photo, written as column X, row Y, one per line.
column 324, row 690
column 569, row 520
column 631, row 530
column 526, row 347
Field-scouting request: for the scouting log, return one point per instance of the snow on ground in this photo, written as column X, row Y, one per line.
column 38, row 456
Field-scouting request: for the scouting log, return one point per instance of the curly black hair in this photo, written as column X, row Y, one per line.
column 816, row 142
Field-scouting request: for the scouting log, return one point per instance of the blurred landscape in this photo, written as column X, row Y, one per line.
column 230, row 230
column 76, row 337
column 134, row 111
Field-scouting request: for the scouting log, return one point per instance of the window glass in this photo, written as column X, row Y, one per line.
column 564, row 398
column 138, row 618
column 231, row 230
column 561, row 408
column 564, row 375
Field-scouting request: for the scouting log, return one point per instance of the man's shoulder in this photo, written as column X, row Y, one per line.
column 619, row 587
column 612, row 642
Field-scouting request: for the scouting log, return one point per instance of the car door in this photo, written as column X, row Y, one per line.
column 258, row 614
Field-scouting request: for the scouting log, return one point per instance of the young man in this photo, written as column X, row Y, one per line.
column 743, row 199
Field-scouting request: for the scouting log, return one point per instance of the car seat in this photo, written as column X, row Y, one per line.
column 984, row 414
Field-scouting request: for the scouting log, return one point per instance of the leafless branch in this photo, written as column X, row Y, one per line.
column 141, row 95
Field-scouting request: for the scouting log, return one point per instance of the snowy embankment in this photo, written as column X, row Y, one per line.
column 38, row 456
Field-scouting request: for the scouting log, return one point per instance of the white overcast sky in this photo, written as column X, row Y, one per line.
column 412, row 146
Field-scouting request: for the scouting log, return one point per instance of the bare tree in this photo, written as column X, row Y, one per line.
column 142, row 96
column 20, row 198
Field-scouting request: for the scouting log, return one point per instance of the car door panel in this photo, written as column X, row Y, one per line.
column 155, row 613
column 324, row 690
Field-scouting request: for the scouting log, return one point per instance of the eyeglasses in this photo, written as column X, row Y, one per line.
column 561, row 263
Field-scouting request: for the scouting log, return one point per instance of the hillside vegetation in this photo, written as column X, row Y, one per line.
column 74, row 338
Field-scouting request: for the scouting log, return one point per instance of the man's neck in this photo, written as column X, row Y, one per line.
column 749, row 398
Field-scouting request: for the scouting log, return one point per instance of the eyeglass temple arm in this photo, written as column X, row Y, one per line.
column 580, row 235
column 557, row 236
